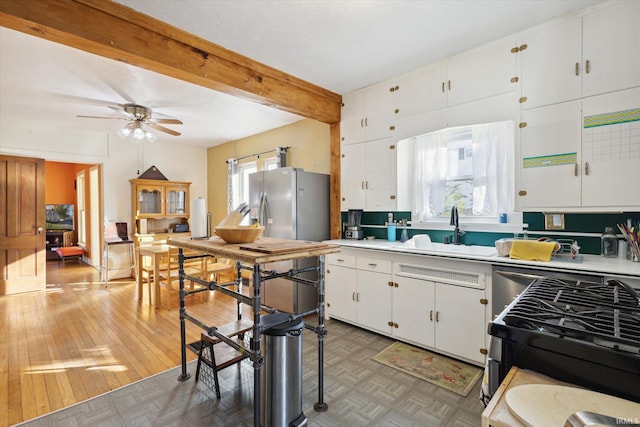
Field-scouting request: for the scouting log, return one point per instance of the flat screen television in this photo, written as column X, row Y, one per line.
column 59, row 217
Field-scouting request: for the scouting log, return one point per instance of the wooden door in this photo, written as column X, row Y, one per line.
column 22, row 234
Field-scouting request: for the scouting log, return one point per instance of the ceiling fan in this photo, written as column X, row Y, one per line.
column 139, row 118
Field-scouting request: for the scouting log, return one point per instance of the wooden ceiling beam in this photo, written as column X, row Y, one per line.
column 115, row 31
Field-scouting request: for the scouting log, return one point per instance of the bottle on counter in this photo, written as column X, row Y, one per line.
column 609, row 243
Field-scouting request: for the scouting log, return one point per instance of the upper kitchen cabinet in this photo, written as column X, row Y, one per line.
column 478, row 74
column 157, row 206
column 368, row 175
column 367, row 114
column 481, row 73
column 578, row 57
column 587, row 151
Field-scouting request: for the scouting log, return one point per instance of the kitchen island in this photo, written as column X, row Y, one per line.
column 251, row 256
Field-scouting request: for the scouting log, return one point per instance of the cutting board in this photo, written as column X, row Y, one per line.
column 283, row 246
column 538, row 405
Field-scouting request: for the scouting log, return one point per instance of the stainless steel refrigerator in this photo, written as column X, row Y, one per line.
column 291, row 204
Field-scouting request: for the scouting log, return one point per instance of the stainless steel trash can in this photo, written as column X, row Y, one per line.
column 281, row 374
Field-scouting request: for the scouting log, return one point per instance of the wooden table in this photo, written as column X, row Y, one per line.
column 158, row 254
column 251, row 256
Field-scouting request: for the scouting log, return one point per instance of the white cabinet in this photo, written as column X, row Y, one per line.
column 340, row 286
column 611, row 48
column 481, row 73
column 611, row 150
column 429, row 302
column 367, row 114
column 580, row 57
column 477, row 74
column 474, row 87
column 448, row 315
column 587, row 151
column 368, row 175
column 358, row 290
column 550, row 150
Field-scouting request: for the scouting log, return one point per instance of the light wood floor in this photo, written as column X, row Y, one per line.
column 78, row 339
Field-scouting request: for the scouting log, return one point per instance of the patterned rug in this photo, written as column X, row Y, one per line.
column 442, row 371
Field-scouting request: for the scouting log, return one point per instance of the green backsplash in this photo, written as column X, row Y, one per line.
column 574, row 222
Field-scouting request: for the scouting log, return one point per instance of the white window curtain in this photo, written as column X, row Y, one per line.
column 430, row 175
column 493, row 168
column 493, row 171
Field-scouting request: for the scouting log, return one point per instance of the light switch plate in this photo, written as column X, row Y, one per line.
column 554, row 221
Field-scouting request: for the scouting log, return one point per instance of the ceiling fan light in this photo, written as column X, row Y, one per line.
column 138, row 134
column 150, row 137
column 124, row 132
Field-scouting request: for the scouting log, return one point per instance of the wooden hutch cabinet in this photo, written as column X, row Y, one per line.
column 157, row 206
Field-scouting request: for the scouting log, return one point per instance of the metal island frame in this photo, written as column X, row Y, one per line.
column 250, row 257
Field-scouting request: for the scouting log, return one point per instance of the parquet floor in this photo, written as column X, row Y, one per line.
column 78, row 339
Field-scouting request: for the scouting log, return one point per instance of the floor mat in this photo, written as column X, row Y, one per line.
column 442, row 371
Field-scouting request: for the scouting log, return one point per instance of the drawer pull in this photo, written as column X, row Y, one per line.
column 373, row 265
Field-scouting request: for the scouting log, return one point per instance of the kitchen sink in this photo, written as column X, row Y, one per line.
column 432, row 247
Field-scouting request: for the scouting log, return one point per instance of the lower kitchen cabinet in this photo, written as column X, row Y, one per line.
column 429, row 302
column 445, row 317
column 358, row 290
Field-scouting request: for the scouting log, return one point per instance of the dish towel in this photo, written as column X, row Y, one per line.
column 532, row 250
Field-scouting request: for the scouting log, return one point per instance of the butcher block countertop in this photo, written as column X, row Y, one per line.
column 263, row 250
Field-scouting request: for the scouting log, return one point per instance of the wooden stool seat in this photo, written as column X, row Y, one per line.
column 217, row 355
column 70, row 252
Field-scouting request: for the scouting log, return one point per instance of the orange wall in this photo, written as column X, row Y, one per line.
column 59, row 181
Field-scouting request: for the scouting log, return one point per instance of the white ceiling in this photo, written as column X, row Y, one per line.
column 341, row 45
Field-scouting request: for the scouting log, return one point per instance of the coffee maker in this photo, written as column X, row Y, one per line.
column 352, row 229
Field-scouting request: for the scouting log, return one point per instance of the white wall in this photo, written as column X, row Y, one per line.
column 120, row 160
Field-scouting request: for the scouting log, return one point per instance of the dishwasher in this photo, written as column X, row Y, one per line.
column 508, row 282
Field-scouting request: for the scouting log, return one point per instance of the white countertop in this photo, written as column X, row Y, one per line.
column 590, row 264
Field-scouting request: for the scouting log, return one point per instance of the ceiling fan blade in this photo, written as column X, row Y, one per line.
column 164, row 129
column 102, row 117
column 120, row 110
column 166, row 121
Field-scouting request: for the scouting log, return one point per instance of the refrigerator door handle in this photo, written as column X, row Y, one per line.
column 262, row 209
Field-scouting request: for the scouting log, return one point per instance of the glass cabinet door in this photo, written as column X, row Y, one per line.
column 177, row 199
column 150, row 201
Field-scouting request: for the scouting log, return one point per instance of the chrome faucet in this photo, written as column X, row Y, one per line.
column 456, row 223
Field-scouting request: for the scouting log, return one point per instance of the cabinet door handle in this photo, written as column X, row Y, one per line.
column 587, row 66
column 358, row 296
column 395, row 325
column 442, row 87
column 366, row 185
column 586, row 168
column 449, row 82
column 437, row 315
column 353, row 296
column 575, row 169
column 431, row 315
column 361, row 123
column 577, row 68
column 362, row 185
column 366, row 121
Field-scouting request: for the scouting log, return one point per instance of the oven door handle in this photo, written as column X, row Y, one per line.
column 513, row 275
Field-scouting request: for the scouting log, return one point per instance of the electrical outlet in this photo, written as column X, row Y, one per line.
column 554, row 221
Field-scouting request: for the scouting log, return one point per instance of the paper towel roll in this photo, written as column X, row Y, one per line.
column 198, row 218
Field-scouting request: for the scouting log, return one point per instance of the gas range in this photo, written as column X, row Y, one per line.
column 584, row 333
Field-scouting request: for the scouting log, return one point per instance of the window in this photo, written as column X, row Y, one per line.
column 470, row 167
